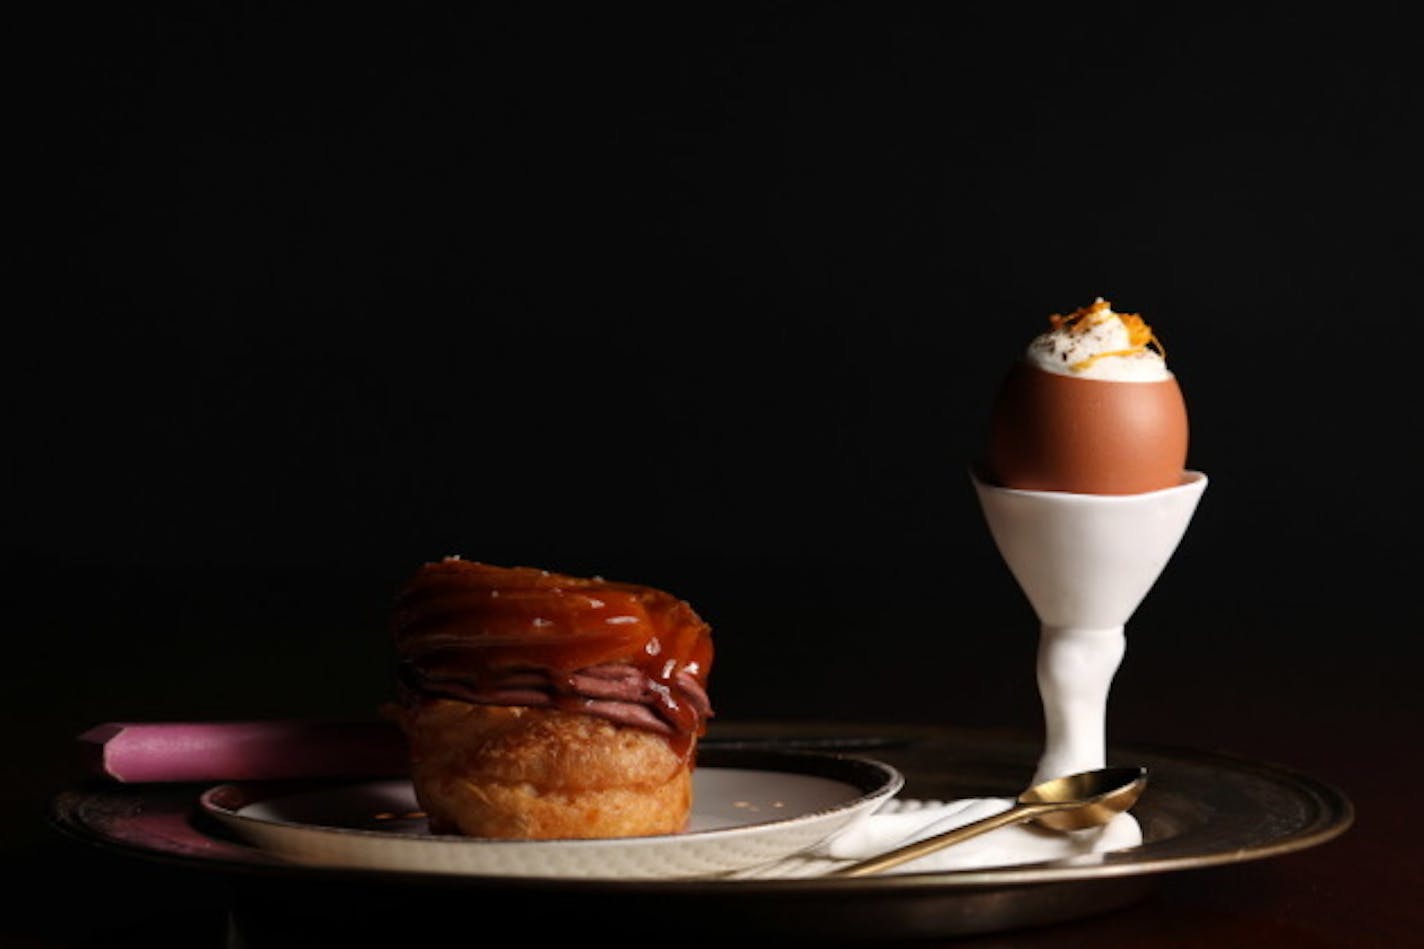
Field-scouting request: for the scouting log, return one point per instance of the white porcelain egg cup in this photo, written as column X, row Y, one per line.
column 1085, row 562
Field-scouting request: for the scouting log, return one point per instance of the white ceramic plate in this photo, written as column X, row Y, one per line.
column 742, row 818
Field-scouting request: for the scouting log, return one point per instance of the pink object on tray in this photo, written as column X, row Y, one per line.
column 137, row 752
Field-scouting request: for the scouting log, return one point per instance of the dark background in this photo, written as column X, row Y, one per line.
column 708, row 297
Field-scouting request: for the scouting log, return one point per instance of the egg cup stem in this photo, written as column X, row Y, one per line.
column 1075, row 669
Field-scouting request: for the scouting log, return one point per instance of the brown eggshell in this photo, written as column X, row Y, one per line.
column 1052, row 432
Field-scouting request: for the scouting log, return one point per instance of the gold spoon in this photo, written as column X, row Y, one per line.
column 1072, row 802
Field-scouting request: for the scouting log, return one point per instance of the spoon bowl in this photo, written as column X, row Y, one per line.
column 1072, row 802
column 1089, row 798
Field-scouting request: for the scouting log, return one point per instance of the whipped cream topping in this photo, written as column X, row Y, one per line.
column 1095, row 342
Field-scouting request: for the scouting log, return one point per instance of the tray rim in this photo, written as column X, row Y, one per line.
column 1336, row 814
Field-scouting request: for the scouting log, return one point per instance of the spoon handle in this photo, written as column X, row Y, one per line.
column 893, row 858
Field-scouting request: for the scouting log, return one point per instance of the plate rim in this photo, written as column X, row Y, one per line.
column 874, row 780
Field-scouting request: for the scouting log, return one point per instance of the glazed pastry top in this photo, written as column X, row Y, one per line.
column 525, row 636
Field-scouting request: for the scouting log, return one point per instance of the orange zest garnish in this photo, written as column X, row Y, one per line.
column 1139, row 334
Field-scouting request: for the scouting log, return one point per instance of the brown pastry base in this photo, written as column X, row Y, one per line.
column 531, row 773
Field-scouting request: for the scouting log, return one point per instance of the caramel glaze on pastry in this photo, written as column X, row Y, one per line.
column 539, row 705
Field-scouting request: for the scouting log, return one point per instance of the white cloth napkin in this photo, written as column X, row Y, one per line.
column 899, row 822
